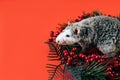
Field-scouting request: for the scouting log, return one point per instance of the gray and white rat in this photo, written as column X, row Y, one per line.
column 103, row 31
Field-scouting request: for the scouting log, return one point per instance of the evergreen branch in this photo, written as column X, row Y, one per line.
column 93, row 71
column 55, row 71
column 54, row 51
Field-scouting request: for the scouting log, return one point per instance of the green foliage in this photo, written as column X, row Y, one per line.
column 96, row 13
column 93, row 71
column 54, row 51
column 55, row 71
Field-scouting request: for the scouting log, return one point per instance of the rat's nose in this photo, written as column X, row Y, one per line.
column 57, row 41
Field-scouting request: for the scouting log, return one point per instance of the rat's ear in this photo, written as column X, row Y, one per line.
column 69, row 23
column 92, row 24
column 76, row 31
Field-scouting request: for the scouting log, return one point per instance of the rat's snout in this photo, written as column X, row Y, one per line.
column 64, row 37
column 60, row 40
column 57, row 41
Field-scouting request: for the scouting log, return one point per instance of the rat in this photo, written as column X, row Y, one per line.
column 102, row 31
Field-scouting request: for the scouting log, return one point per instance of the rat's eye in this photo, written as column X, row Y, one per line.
column 76, row 31
column 67, row 35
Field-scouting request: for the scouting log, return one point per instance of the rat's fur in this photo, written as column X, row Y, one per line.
column 102, row 31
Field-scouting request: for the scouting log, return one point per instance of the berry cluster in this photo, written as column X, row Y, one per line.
column 93, row 57
column 116, row 62
column 53, row 36
column 73, row 59
column 113, row 67
column 69, row 58
column 84, row 16
column 111, row 73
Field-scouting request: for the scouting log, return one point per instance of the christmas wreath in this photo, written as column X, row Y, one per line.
column 71, row 63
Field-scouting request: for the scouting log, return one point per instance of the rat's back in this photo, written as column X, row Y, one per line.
column 106, row 32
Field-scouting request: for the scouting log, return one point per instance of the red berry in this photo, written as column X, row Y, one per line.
column 72, row 53
column 116, row 65
column 109, row 73
column 109, row 69
column 50, row 40
column 56, row 34
column 77, row 20
column 89, row 56
column 81, row 55
column 104, row 57
column 51, row 34
column 67, row 64
column 74, row 49
column 116, row 62
column 87, row 61
column 115, row 58
column 114, row 16
column 69, row 59
column 91, row 59
column 65, row 51
column 93, row 55
column 99, row 61
column 110, row 66
column 97, row 56
column 75, row 56
column 66, row 54
column 63, row 59
column 116, row 74
column 110, row 15
column 86, row 58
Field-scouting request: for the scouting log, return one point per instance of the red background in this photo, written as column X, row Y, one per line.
column 25, row 26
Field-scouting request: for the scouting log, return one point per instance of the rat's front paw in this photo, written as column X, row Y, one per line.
column 109, row 50
column 111, row 54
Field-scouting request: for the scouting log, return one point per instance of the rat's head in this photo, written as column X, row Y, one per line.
column 73, row 33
